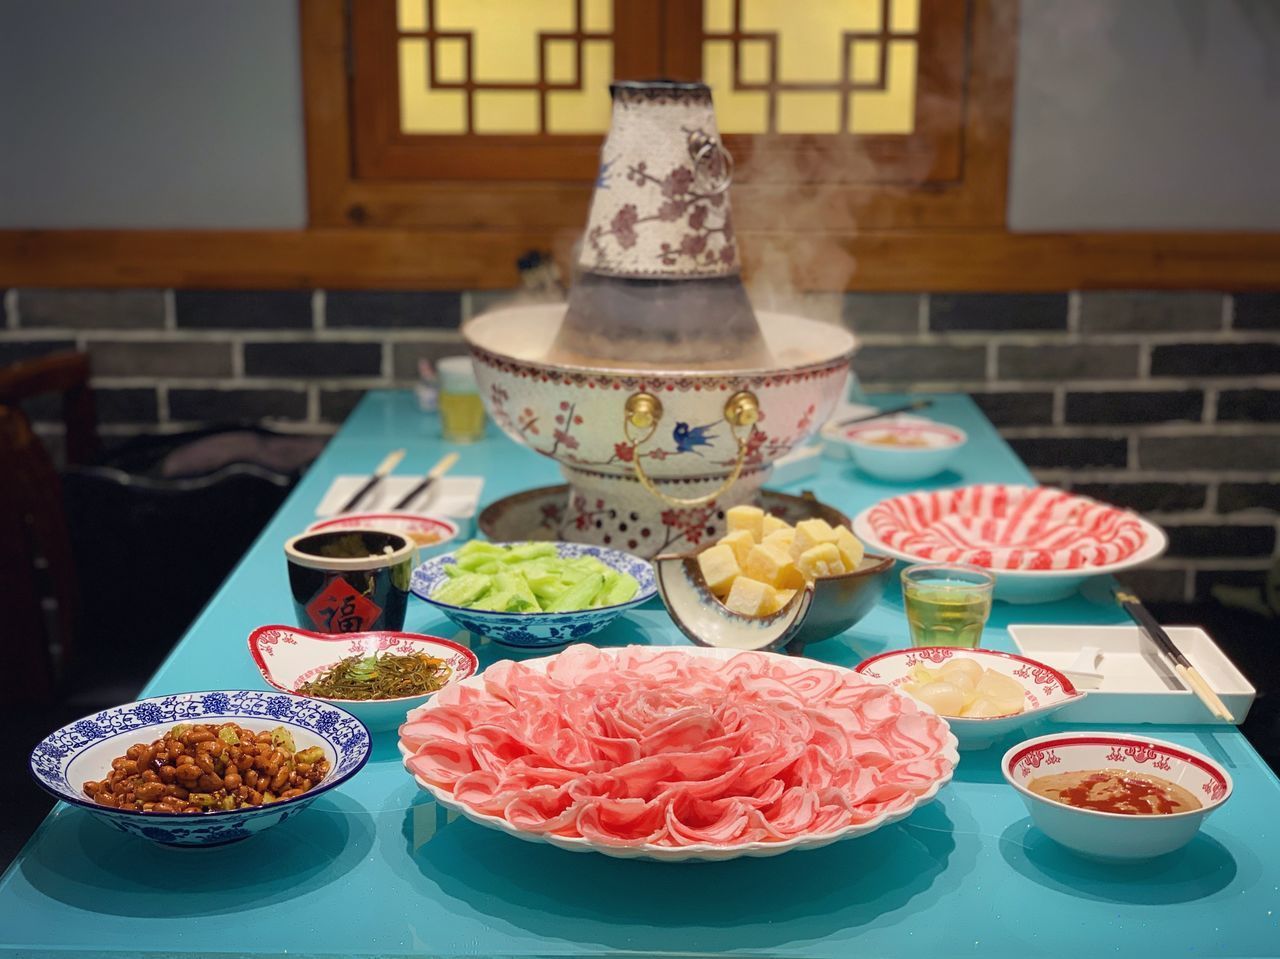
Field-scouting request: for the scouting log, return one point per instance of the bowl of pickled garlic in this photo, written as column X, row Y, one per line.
column 984, row 694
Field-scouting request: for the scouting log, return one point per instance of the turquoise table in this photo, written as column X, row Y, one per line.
column 375, row 868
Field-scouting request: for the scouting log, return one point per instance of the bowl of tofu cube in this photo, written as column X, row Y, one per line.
column 768, row 584
column 534, row 595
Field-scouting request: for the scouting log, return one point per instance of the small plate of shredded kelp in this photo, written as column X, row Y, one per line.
column 377, row 676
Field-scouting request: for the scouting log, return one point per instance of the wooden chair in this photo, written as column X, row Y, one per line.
column 37, row 569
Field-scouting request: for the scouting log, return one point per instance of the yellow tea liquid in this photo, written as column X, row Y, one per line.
column 946, row 617
column 462, row 417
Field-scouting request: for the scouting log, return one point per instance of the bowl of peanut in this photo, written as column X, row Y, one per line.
column 202, row 769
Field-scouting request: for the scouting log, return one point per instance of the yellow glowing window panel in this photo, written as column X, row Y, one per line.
column 753, row 61
column 597, row 16
column 893, row 109
column 506, row 111
column 494, row 60
column 737, row 111
column 811, row 45
column 504, row 35
column 904, row 16
column 808, row 113
column 562, row 61
column 586, row 110
column 422, row 109
column 411, row 14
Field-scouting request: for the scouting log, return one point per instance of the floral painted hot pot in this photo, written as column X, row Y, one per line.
column 645, row 449
column 662, row 395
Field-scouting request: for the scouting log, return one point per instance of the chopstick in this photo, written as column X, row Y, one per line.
column 442, row 467
column 390, row 462
column 1182, row 666
column 892, row 411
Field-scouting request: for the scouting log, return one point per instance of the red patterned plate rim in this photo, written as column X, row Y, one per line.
column 1172, row 750
column 354, row 520
column 1065, row 683
column 956, row 436
column 256, row 652
column 1067, row 687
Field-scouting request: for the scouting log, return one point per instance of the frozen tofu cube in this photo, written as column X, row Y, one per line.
column 750, row 518
column 781, row 598
column 850, row 548
column 740, row 541
column 782, row 538
column 750, row 597
column 719, row 568
column 809, row 533
column 821, row 560
column 773, row 565
column 771, row 524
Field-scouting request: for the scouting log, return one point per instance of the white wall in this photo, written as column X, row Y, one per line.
column 1131, row 114
column 150, row 113
column 1147, row 114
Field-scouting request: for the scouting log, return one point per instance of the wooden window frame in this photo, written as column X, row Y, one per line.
column 358, row 163
column 451, row 237
column 660, row 39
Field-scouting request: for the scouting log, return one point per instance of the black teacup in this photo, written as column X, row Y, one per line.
column 350, row 581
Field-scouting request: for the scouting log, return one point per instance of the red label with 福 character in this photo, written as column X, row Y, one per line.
column 341, row 608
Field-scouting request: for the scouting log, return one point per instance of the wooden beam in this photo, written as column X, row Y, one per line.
column 415, row 259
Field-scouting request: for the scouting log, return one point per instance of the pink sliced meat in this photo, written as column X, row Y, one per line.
column 646, row 746
column 1008, row 527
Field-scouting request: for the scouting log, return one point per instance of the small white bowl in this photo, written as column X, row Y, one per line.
column 1044, row 689
column 1114, row 836
column 872, row 449
column 432, row 535
column 288, row 656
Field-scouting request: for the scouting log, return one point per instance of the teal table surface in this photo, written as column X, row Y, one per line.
column 375, row 868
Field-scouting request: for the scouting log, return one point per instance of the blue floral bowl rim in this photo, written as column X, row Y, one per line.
column 308, row 796
column 642, row 596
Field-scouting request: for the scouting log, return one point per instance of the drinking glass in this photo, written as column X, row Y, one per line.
column 947, row 604
column 461, row 409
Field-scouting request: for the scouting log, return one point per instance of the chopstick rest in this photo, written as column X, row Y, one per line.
column 1083, row 670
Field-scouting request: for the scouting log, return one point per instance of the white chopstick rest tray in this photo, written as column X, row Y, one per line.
column 1132, row 688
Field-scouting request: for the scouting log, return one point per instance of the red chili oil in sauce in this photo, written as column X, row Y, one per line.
column 1115, row 791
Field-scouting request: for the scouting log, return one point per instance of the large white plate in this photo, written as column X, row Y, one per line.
column 1030, row 585
column 698, row 852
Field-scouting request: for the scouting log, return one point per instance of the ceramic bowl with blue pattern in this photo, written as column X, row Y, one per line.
column 539, row 630
column 81, row 751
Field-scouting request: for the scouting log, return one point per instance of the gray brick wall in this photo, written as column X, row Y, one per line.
column 1168, row 403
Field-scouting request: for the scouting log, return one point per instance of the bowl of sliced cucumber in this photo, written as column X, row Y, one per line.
column 534, row 595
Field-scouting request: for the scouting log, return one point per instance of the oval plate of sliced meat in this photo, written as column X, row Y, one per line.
column 1042, row 543
column 677, row 753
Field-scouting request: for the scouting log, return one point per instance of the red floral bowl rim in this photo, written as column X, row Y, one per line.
column 956, row 436
column 1172, row 750
column 1066, row 684
column 399, row 517
column 256, row 652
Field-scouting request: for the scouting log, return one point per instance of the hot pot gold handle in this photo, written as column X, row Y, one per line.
column 643, row 413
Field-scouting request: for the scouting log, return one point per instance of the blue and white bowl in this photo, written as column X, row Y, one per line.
column 66, row 759
column 539, row 630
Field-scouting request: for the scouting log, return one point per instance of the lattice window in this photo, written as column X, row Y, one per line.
column 494, row 67
column 815, row 67
column 864, row 93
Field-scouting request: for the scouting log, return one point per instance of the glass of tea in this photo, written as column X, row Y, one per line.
column 461, row 409
column 947, row 604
